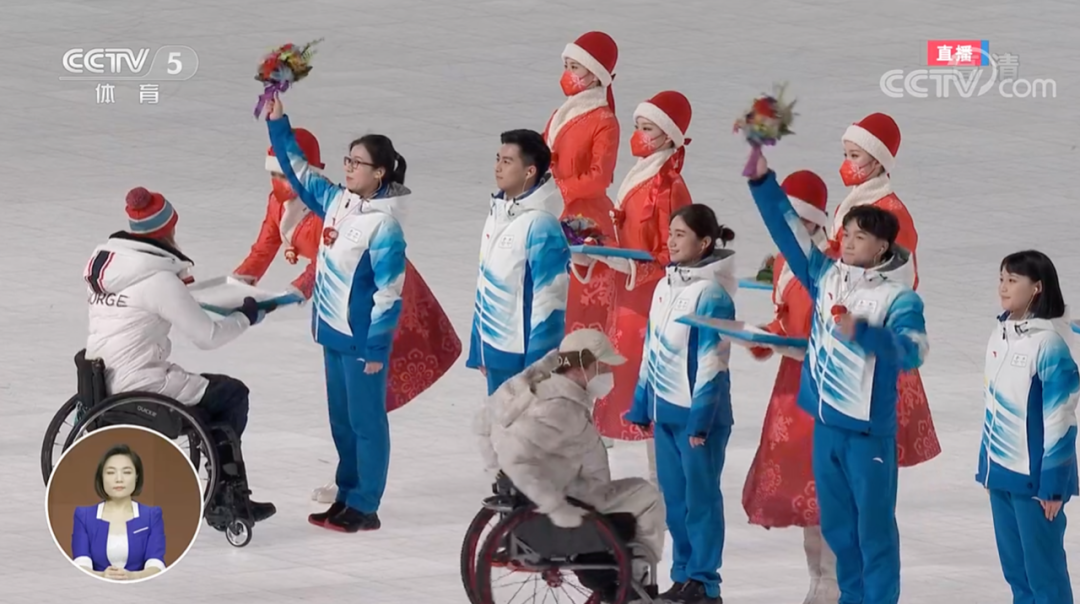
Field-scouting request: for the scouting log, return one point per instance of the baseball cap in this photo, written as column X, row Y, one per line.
column 595, row 342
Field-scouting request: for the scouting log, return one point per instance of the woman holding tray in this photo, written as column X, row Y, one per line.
column 684, row 394
column 651, row 192
column 425, row 344
column 583, row 135
column 360, row 276
column 779, row 489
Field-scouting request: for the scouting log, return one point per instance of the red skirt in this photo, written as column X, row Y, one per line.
column 588, row 305
column 779, row 490
column 425, row 345
column 627, row 334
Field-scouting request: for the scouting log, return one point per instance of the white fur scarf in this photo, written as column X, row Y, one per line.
column 861, row 195
column 293, row 213
column 579, row 104
column 643, row 170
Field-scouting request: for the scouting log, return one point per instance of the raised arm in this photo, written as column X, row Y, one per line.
column 605, row 152
column 547, row 283
column 387, row 252
column 1057, row 372
column 266, row 246
column 169, row 298
column 804, row 258
column 712, row 380
column 903, row 338
column 313, row 188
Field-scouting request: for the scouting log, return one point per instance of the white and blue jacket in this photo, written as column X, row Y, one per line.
column 849, row 384
column 357, row 297
column 523, row 281
column 1029, row 429
column 684, row 377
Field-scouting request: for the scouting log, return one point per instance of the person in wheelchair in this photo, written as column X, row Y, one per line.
column 137, row 295
column 537, row 430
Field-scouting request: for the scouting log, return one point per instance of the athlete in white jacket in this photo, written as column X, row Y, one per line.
column 137, row 295
column 537, row 429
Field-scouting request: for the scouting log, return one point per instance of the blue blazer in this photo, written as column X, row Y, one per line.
column 145, row 534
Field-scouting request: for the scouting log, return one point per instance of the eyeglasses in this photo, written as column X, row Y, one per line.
column 350, row 164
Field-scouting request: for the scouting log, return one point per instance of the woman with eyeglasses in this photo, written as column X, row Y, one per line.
column 372, row 311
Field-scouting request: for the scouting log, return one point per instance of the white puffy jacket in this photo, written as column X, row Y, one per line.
column 537, row 428
column 136, row 297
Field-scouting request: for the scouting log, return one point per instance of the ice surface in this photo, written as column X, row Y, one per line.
column 982, row 177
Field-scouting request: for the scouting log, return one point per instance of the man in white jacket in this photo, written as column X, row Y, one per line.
column 137, row 294
column 537, row 429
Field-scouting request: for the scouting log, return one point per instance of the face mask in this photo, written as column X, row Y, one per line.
column 571, row 84
column 641, row 145
column 601, row 385
column 854, row 174
column 282, row 190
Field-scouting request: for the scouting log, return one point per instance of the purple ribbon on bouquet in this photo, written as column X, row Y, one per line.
column 755, row 155
column 272, row 88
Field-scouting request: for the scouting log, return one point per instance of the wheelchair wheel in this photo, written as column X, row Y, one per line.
column 470, row 548
column 239, row 533
column 193, row 437
column 62, row 424
column 602, row 574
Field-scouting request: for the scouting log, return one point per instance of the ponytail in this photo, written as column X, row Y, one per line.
column 701, row 219
column 398, row 173
column 383, row 155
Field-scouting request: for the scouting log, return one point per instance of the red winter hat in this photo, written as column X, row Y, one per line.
column 149, row 214
column 879, row 135
column 309, row 146
column 808, row 195
column 597, row 52
column 670, row 111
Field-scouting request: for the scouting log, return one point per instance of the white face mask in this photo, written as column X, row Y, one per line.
column 601, row 385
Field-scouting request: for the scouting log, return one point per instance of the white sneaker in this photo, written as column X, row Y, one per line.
column 326, row 494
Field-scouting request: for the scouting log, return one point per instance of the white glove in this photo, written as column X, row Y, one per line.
column 582, row 259
column 567, row 516
column 246, row 279
column 621, row 265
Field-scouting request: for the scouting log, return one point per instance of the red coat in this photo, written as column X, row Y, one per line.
column 653, row 190
column 583, row 154
column 425, row 344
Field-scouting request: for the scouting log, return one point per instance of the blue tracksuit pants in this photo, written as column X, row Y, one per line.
column 360, row 428
column 498, row 377
column 856, row 481
column 1031, row 549
column 690, row 482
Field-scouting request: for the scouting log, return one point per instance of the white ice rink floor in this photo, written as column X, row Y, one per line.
column 982, row 176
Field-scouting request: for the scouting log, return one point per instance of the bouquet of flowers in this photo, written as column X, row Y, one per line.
column 765, row 273
column 281, row 68
column 579, row 230
column 767, row 121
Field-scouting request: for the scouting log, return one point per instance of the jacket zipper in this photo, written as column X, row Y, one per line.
column 663, row 327
column 495, row 233
column 993, row 404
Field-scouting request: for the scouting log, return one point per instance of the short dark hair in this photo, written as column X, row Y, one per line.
column 534, row 151
column 99, row 482
column 702, row 221
column 383, row 155
column 876, row 221
column 1037, row 266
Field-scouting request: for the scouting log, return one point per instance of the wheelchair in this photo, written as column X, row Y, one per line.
column 590, row 564
column 92, row 408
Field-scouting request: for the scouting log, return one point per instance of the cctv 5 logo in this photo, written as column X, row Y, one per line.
column 77, row 60
column 169, row 63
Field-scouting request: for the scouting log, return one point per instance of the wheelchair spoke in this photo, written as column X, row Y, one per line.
column 549, row 585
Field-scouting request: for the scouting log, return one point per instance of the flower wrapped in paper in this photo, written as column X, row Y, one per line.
column 283, row 67
column 766, row 122
column 765, row 273
column 579, row 230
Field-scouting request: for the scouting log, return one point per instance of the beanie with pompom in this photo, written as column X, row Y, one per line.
column 149, row 214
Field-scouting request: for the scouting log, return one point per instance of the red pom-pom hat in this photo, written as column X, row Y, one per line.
column 879, row 135
column 671, row 112
column 808, row 195
column 149, row 214
column 597, row 52
column 309, row 146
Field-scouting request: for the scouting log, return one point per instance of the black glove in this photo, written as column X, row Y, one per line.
column 250, row 309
